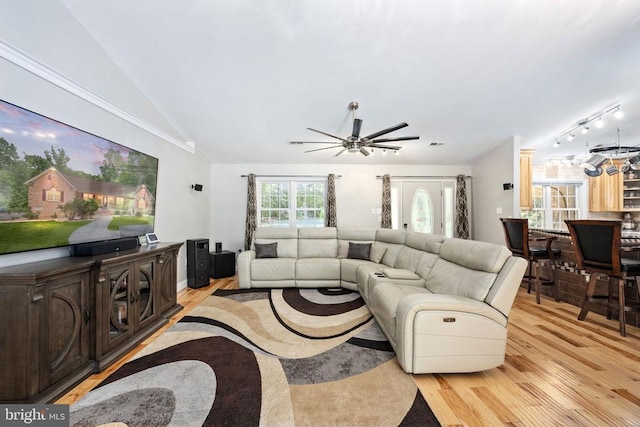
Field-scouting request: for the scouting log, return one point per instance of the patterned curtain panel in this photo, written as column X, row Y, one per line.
column 252, row 211
column 462, row 213
column 331, row 219
column 386, row 202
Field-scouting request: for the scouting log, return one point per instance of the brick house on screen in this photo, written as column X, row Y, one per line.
column 51, row 188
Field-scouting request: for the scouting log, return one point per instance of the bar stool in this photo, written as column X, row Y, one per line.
column 517, row 237
column 597, row 248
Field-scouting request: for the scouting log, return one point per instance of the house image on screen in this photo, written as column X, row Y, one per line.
column 51, row 188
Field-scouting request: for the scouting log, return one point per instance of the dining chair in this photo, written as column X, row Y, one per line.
column 517, row 237
column 597, row 249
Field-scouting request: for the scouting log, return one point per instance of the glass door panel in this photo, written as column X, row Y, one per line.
column 119, row 286
column 144, row 294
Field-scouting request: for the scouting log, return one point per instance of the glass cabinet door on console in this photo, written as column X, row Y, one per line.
column 129, row 290
column 119, row 286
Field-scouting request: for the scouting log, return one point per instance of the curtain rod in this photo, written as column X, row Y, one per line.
column 290, row 176
column 424, row 176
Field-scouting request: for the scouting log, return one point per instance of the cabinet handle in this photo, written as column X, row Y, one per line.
column 133, row 297
column 87, row 316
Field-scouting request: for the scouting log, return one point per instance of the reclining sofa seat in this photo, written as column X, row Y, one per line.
column 457, row 322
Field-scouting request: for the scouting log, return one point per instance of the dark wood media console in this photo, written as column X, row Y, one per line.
column 66, row 318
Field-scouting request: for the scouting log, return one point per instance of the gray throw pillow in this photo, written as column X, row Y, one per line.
column 359, row 250
column 267, row 250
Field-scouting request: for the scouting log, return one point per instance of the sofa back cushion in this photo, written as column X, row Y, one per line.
column 287, row 239
column 415, row 247
column 393, row 241
column 317, row 242
column 353, row 235
column 425, row 242
column 466, row 268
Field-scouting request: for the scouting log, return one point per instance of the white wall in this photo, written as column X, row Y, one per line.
column 357, row 191
column 63, row 46
column 500, row 165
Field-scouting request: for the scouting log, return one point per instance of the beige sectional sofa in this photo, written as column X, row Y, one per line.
column 442, row 302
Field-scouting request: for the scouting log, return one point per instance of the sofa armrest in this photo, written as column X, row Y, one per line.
column 444, row 308
column 244, row 268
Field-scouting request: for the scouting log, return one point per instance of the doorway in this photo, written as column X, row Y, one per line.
column 424, row 206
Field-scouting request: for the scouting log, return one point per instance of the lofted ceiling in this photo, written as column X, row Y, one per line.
column 242, row 78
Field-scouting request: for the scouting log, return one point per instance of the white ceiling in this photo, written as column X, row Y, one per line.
column 243, row 78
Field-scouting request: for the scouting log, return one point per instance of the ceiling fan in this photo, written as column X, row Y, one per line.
column 356, row 143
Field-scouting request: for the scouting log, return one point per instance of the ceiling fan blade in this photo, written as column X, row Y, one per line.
column 400, row 138
column 311, row 142
column 340, row 152
column 357, row 124
column 325, row 148
column 327, row 134
column 364, row 151
column 387, row 130
column 385, row 147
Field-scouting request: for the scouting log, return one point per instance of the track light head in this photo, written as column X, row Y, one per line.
column 599, row 122
column 570, row 137
column 618, row 114
column 556, row 144
column 585, row 129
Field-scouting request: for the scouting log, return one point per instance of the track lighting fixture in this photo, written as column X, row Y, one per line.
column 396, row 152
column 384, row 152
column 583, row 124
column 556, row 144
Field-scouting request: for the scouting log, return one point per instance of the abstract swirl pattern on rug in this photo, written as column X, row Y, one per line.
column 263, row 357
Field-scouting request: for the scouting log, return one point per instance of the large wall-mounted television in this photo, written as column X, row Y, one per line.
column 60, row 186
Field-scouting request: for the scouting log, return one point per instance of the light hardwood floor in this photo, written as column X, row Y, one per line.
column 559, row 371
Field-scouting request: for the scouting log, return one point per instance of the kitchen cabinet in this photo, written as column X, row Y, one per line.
column 605, row 191
column 526, row 180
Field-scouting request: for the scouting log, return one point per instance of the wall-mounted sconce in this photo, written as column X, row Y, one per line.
column 507, row 186
column 197, row 187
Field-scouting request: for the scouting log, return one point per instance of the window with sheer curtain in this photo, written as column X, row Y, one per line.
column 552, row 204
column 291, row 203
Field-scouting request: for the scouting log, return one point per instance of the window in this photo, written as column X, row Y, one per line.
column 291, row 203
column 552, row 204
column 53, row 195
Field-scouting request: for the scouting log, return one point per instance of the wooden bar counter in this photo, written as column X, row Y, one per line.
column 572, row 283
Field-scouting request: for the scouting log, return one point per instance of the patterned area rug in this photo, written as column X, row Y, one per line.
column 267, row 357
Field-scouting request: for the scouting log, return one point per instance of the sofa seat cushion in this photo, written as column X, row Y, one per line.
column 318, row 269
column 349, row 268
column 384, row 300
column 273, row 269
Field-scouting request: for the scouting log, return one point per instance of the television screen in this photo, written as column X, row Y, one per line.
column 60, row 185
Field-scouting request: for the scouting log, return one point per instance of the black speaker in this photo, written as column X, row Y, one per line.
column 105, row 247
column 197, row 263
column 218, row 246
